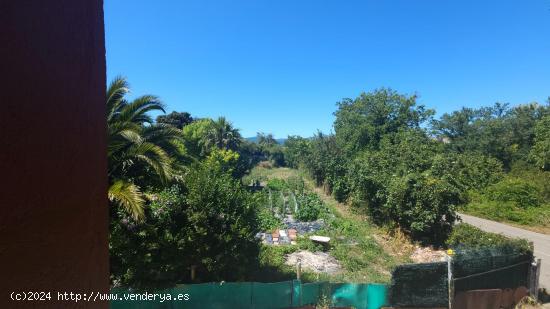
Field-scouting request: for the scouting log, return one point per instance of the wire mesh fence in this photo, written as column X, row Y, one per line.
column 425, row 285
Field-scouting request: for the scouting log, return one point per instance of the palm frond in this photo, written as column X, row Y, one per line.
column 139, row 107
column 128, row 196
column 116, row 91
column 155, row 157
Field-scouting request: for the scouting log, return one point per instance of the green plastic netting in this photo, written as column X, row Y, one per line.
column 287, row 294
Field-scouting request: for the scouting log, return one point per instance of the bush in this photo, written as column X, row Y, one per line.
column 508, row 211
column 296, row 184
column 423, row 206
column 310, row 207
column 224, row 224
column 467, row 171
column 540, row 179
column 210, row 222
column 277, row 184
column 515, row 190
column 267, row 221
column 468, row 236
column 340, row 189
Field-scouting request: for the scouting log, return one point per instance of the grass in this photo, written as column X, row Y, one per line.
column 264, row 174
column 536, row 219
column 367, row 253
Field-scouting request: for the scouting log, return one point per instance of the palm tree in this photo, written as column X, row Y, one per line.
column 136, row 146
column 223, row 135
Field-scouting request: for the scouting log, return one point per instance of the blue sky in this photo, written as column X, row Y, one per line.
column 280, row 66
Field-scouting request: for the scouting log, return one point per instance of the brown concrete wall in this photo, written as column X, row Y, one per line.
column 54, row 215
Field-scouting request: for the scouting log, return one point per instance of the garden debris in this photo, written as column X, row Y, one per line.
column 279, row 237
column 293, row 228
column 428, row 255
column 303, row 227
column 317, row 262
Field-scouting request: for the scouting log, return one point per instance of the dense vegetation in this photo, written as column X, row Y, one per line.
column 180, row 196
column 353, row 241
column 176, row 197
column 390, row 157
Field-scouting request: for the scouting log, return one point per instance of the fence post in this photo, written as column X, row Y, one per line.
column 270, row 202
column 193, row 272
column 295, row 203
column 450, row 284
column 299, row 270
column 536, row 280
column 283, row 211
column 296, row 293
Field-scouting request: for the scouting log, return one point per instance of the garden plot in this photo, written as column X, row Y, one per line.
column 297, row 213
column 289, row 234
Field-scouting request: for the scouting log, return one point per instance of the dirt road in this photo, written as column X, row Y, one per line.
column 541, row 241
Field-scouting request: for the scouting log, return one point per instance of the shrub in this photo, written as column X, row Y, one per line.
column 423, row 206
column 277, row 184
column 515, row 190
column 340, row 189
column 210, row 221
column 267, row 221
column 467, row 171
column 468, row 236
column 540, row 179
column 310, row 207
column 540, row 153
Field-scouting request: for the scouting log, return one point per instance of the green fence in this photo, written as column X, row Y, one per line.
column 420, row 285
column 426, row 285
column 491, row 269
column 244, row 295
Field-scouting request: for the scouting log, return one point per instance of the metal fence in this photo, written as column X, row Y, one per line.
column 427, row 284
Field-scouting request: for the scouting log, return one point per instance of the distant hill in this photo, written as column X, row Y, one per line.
column 254, row 139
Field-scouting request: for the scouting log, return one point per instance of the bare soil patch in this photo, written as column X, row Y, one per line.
column 317, row 262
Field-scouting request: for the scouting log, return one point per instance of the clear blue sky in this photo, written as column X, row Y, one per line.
column 280, row 66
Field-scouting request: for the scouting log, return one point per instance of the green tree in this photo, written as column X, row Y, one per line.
column 361, row 123
column 540, row 153
column 296, row 150
column 208, row 221
column 327, row 164
column 398, row 187
column 176, row 119
column 224, row 223
column 467, row 171
column 270, row 148
column 194, row 137
column 136, row 146
column 498, row 131
column 266, row 140
column 223, row 135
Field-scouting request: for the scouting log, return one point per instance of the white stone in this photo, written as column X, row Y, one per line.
column 322, row 239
